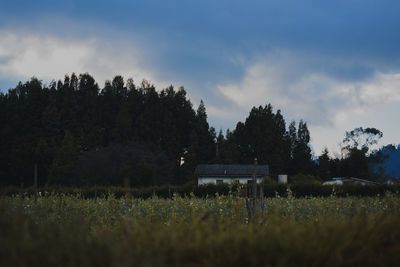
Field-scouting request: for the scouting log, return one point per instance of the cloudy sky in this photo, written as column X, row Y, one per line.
column 335, row 64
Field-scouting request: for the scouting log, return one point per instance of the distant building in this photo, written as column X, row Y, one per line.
column 333, row 182
column 393, row 181
column 222, row 173
column 344, row 180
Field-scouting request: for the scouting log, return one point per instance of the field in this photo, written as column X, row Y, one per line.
column 68, row 230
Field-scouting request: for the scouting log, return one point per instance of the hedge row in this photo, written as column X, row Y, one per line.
column 210, row 190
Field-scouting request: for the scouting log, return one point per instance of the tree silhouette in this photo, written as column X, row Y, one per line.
column 64, row 162
column 52, row 125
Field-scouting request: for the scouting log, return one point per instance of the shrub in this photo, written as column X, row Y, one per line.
column 304, row 179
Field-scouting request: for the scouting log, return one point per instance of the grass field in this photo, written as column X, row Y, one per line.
column 61, row 230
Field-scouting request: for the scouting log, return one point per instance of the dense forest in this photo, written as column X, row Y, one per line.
column 80, row 134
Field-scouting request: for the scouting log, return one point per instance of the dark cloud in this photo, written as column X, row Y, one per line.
column 315, row 47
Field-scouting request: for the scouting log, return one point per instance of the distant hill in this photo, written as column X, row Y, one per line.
column 392, row 163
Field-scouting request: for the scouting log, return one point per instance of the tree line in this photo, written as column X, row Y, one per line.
column 80, row 134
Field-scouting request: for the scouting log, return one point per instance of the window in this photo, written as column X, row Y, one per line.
column 219, row 181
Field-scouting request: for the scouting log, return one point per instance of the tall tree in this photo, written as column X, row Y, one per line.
column 35, row 116
column 324, row 165
column 361, row 138
column 220, row 142
column 262, row 136
column 118, row 86
column 302, row 158
column 123, row 133
column 64, row 162
column 356, row 145
column 205, row 150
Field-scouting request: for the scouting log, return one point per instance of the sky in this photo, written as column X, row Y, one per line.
column 334, row 64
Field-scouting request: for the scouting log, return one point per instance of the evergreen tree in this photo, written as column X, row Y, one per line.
column 292, row 134
column 118, row 87
column 87, row 130
column 324, row 165
column 34, row 118
column 73, row 83
column 302, row 158
column 201, row 113
column 262, row 136
column 64, row 162
column 122, row 133
column 357, row 165
column 43, row 157
column 190, row 159
column 205, row 150
column 51, row 120
column 229, row 152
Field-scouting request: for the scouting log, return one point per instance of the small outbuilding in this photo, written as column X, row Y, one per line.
column 223, row 173
column 393, row 181
column 344, row 180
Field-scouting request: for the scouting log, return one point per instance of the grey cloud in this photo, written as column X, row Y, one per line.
column 304, row 89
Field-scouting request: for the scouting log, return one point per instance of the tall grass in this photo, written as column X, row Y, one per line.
column 67, row 230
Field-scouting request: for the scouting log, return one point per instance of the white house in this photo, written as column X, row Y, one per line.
column 220, row 173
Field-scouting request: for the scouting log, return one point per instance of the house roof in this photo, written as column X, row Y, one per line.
column 228, row 170
column 353, row 179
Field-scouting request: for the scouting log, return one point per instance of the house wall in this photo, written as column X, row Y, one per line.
column 213, row 180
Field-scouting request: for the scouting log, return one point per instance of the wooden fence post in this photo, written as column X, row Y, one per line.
column 21, row 195
column 95, row 192
column 35, row 182
column 262, row 198
column 127, row 185
column 254, row 198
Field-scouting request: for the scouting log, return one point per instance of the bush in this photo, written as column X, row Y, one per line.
column 269, row 180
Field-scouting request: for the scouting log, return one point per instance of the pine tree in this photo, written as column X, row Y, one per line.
column 229, row 153
column 220, row 142
column 118, row 87
column 292, row 135
column 302, row 158
column 262, row 136
column 122, row 133
column 205, row 150
column 43, row 157
column 324, row 165
column 201, row 112
column 64, row 162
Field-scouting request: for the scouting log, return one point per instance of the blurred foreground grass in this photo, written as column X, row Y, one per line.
column 62, row 230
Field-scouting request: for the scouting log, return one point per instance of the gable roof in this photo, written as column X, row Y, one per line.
column 353, row 179
column 229, row 170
